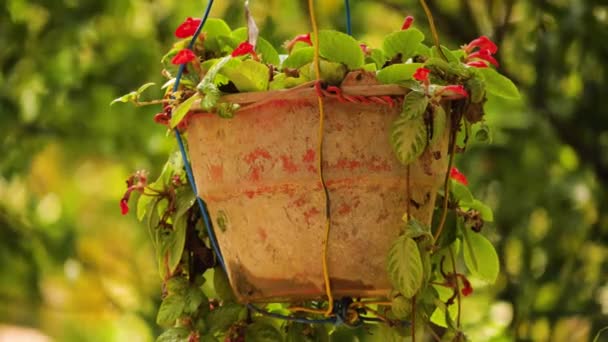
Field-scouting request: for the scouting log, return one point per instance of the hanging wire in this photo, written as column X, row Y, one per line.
column 348, row 23
column 321, row 105
column 180, row 142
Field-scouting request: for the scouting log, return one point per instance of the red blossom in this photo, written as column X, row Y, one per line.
column 124, row 206
column 187, row 28
column 304, row 38
column 452, row 92
column 484, row 55
column 458, row 176
column 422, row 74
column 467, row 289
column 409, row 20
column 243, row 49
column 136, row 182
column 483, row 43
column 478, row 64
column 366, row 50
column 183, row 57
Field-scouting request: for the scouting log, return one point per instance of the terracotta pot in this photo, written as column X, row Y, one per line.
column 258, row 174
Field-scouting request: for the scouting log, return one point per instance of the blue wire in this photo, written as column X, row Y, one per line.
column 201, row 204
column 348, row 23
column 180, row 142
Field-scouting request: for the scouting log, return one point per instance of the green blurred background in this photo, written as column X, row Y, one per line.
column 74, row 269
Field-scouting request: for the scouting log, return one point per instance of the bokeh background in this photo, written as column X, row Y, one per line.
column 73, row 269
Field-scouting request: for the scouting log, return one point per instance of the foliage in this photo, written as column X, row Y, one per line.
column 63, row 149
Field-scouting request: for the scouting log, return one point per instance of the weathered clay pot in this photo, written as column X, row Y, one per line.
column 257, row 172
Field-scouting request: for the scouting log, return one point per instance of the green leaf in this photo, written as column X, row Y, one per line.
column 446, row 52
column 178, row 285
column 184, row 199
column 223, row 317
column 408, row 138
column 299, row 58
column 193, row 300
column 401, row 307
column 180, row 112
column 340, row 48
column 222, row 285
column 282, row 81
column 209, row 85
column 378, row 57
column 461, row 193
column 130, row 97
column 143, row 206
column 440, row 122
column 248, row 75
column 416, row 229
column 176, row 242
column 263, row 48
column 443, row 315
column 174, row 335
column 370, row 67
column 477, row 89
column 331, row 73
column 216, row 33
column 414, row 105
column 397, row 72
column 262, row 332
column 143, row 88
column 405, row 43
column 498, row 84
column 405, row 268
column 170, row 309
column 480, row 256
column 153, row 221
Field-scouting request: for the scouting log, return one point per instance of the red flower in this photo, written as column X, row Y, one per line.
column 478, row 64
column 409, row 20
column 422, row 74
column 483, row 43
column 452, row 92
column 366, row 50
column 183, row 57
column 304, row 38
column 467, row 289
column 484, row 55
column 187, row 28
column 458, row 176
column 243, row 49
column 124, row 206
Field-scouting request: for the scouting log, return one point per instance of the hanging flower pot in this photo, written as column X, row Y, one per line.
column 258, row 175
column 315, row 176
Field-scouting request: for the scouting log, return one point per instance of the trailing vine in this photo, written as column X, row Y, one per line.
column 442, row 94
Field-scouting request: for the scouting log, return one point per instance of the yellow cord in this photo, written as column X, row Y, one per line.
column 315, row 30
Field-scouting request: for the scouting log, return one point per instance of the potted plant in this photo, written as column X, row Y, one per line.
column 318, row 174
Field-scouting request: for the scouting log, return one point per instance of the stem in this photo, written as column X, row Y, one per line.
column 409, row 193
column 153, row 102
column 429, row 16
column 446, row 183
column 414, row 319
column 458, row 299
